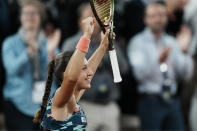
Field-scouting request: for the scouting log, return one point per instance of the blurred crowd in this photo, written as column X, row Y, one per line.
column 156, row 45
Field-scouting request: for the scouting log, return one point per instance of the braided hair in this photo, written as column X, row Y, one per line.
column 57, row 67
column 40, row 112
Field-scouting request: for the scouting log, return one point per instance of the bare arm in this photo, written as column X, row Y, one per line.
column 70, row 77
column 96, row 58
column 71, row 74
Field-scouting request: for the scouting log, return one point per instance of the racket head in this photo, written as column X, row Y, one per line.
column 103, row 11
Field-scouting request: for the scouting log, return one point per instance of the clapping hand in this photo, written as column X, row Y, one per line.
column 184, row 38
column 164, row 54
column 53, row 42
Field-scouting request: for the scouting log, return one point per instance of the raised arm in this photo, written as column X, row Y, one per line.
column 96, row 58
column 74, row 67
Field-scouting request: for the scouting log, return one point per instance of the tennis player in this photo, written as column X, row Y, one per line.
column 73, row 74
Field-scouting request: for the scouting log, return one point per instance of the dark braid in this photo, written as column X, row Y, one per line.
column 56, row 67
column 40, row 113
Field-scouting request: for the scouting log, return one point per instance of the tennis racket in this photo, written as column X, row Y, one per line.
column 103, row 11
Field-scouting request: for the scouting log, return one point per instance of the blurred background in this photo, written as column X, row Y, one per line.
column 139, row 100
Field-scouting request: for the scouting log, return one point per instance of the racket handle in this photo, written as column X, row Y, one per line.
column 115, row 67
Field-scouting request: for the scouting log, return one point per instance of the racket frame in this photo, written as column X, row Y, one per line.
column 112, row 52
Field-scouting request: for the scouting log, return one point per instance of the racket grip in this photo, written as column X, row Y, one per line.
column 115, row 67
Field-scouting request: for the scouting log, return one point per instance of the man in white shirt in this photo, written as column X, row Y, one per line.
column 158, row 62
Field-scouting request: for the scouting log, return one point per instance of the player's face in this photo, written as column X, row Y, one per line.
column 156, row 18
column 85, row 77
column 30, row 18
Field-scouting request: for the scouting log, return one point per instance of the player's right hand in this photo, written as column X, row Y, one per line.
column 88, row 26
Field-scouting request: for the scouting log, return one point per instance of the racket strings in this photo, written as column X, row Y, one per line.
column 103, row 10
column 103, row 13
column 107, row 4
column 104, row 16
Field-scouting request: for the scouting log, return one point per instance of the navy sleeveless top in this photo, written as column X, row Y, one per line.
column 77, row 122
